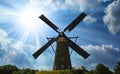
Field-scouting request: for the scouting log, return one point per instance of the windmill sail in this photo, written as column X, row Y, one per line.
column 37, row 53
column 75, row 22
column 78, row 49
column 48, row 22
column 62, row 57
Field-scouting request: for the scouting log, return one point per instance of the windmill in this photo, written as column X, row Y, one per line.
column 62, row 56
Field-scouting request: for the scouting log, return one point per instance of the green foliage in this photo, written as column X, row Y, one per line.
column 101, row 69
column 16, row 72
column 91, row 72
column 8, row 69
column 60, row 72
column 25, row 71
column 117, row 68
column 84, row 70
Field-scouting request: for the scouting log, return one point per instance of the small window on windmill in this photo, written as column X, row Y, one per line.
column 62, row 59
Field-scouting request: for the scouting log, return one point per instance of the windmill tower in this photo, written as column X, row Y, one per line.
column 62, row 59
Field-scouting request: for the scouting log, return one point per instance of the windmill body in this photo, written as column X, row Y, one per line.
column 62, row 56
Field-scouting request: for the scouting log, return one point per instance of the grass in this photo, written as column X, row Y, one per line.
column 60, row 72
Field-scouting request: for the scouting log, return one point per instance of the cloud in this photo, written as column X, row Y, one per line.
column 104, row 0
column 2, row 53
column 89, row 20
column 112, row 17
column 3, row 33
column 85, row 5
column 81, row 5
column 15, row 52
column 20, row 54
column 3, row 42
column 106, row 54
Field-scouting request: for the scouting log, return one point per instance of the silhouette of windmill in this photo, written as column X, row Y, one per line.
column 62, row 56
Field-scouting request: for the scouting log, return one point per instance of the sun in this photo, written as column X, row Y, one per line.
column 22, row 20
column 28, row 18
column 28, row 21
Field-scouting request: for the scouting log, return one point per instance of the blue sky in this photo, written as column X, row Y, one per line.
column 22, row 32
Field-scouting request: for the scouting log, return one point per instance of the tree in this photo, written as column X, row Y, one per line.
column 117, row 68
column 91, row 72
column 101, row 69
column 16, row 72
column 25, row 71
column 84, row 70
column 8, row 69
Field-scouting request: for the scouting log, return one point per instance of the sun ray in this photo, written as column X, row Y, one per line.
column 23, row 21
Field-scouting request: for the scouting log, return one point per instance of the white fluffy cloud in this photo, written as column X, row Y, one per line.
column 85, row 4
column 80, row 5
column 20, row 54
column 14, row 52
column 17, row 53
column 3, row 33
column 104, row 0
column 89, row 20
column 106, row 54
column 112, row 17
